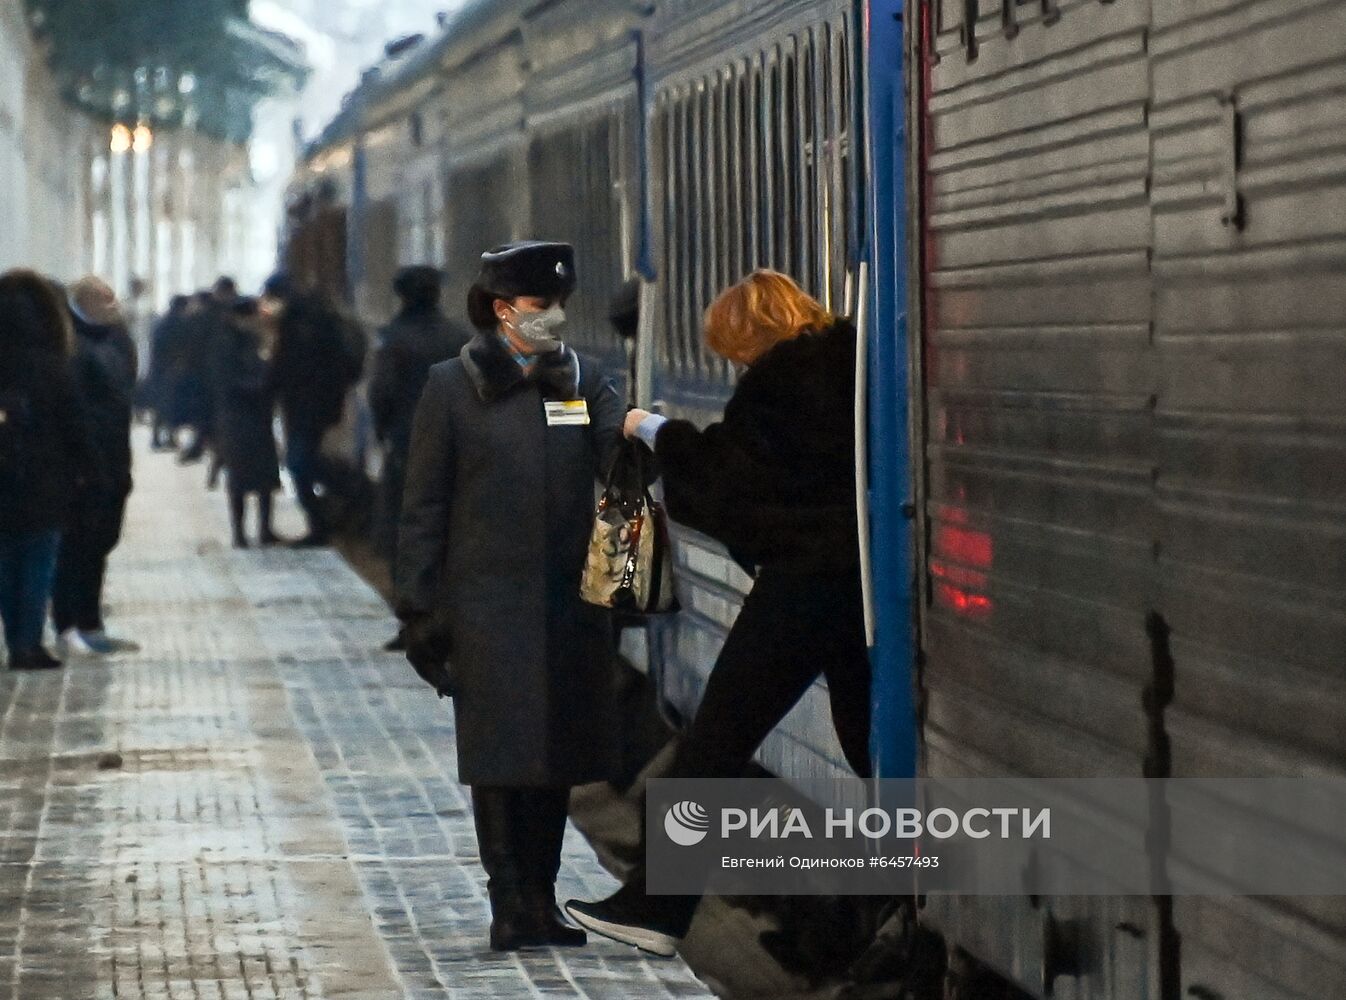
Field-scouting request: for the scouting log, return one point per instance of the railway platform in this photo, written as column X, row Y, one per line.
column 260, row 804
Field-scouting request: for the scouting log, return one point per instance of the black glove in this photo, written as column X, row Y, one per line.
column 428, row 648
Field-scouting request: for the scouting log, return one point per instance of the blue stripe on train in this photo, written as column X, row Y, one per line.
column 893, row 740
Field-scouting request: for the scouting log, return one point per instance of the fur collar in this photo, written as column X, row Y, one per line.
column 494, row 373
column 820, row 363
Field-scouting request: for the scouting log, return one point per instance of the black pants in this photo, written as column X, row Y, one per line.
column 93, row 532
column 238, row 509
column 309, row 468
column 791, row 629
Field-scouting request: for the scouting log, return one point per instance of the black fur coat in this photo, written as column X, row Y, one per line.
column 774, row 481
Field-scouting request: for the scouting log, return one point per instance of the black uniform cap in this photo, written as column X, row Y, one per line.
column 530, row 267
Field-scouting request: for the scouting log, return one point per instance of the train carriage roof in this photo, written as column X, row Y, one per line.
column 468, row 32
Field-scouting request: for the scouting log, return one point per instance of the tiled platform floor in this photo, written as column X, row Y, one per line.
column 261, row 804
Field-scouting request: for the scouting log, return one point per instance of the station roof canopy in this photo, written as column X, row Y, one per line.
column 195, row 63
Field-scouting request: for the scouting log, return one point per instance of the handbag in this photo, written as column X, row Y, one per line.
column 629, row 567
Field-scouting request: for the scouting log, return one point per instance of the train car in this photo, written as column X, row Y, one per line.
column 1132, row 219
column 1095, row 250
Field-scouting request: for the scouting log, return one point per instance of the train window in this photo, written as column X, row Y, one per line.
column 727, row 156
column 733, row 154
column 676, row 277
column 709, row 196
column 724, row 200
column 761, row 153
column 696, row 229
column 808, row 188
column 850, row 163
column 790, row 167
column 779, row 191
column 625, row 185
column 684, row 235
column 745, row 168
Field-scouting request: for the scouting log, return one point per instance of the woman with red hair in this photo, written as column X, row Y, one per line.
column 774, row 481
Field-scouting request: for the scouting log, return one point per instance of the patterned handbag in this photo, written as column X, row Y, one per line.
column 630, row 563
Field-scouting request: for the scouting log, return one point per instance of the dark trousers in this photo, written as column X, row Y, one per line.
column 94, row 530
column 238, row 509
column 309, row 469
column 27, row 568
column 791, row 629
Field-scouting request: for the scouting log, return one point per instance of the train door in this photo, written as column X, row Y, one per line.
column 889, row 362
column 754, row 150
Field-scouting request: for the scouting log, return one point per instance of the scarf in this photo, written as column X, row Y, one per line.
column 497, row 368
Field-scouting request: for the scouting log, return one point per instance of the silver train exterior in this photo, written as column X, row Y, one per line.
column 1126, row 229
column 1134, row 318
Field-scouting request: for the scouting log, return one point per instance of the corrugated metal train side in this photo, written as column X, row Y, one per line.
column 1134, row 458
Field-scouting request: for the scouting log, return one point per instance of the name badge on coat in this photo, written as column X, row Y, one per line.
column 567, row 412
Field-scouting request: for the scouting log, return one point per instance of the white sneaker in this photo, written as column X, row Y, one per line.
column 71, row 644
column 103, row 644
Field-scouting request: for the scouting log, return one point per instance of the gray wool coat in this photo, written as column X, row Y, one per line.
column 492, row 542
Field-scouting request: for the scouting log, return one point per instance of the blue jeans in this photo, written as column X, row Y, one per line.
column 27, row 572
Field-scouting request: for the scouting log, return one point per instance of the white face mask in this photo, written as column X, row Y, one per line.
column 540, row 329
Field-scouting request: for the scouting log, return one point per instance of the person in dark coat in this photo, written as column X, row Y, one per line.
column 506, row 446
column 244, row 410
column 207, row 329
column 44, row 456
column 419, row 337
column 319, row 358
column 159, row 386
column 105, row 378
column 774, row 481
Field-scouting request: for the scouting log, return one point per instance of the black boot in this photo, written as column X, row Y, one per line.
column 237, row 510
column 544, row 825
column 36, row 658
column 513, row 925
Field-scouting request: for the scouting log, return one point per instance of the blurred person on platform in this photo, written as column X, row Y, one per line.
column 208, row 328
column 319, row 357
column 45, row 454
column 419, row 337
column 244, row 413
column 104, row 368
column 159, row 388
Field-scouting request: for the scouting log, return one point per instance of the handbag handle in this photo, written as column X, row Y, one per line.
column 633, row 452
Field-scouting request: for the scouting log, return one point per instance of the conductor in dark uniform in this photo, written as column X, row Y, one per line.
column 506, row 446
